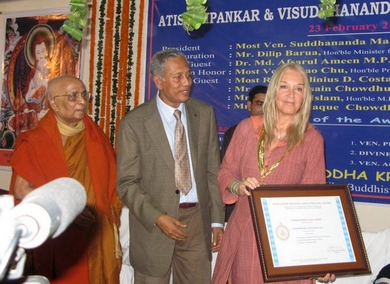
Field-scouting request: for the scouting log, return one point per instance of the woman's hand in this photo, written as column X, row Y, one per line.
column 327, row 278
column 242, row 187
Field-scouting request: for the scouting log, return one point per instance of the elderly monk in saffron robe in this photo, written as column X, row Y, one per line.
column 67, row 143
column 280, row 147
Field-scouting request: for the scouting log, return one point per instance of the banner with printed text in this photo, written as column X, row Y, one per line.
column 347, row 58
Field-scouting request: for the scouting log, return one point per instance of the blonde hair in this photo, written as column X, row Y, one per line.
column 295, row 132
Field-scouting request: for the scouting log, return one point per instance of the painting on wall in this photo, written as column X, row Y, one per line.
column 36, row 49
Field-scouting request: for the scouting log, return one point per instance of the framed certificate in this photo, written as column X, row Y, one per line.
column 306, row 231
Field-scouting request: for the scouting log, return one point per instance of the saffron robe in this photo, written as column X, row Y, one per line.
column 80, row 254
column 238, row 258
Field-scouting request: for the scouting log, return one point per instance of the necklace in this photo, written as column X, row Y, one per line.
column 261, row 154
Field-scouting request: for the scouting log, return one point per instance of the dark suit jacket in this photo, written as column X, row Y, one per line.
column 226, row 140
column 146, row 182
column 227, row 137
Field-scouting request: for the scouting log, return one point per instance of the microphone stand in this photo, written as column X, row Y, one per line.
column 9, row 255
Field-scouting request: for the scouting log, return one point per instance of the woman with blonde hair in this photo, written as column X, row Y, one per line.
column 280, row 147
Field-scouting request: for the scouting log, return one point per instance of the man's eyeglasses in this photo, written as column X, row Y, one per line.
column 72, row 97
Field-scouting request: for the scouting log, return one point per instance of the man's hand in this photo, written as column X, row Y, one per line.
column 22, row 187
column 85, row 219
column 170, row 227
column 217, row 239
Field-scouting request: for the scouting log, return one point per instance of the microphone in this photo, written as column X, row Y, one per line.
column 48, row 211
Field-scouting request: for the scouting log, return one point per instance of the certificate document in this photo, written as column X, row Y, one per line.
column 307, row 230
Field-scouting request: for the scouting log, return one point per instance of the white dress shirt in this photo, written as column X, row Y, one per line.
column 169, row 122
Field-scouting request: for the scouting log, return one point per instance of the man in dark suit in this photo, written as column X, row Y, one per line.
column 255, row 103
column 170, row 231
